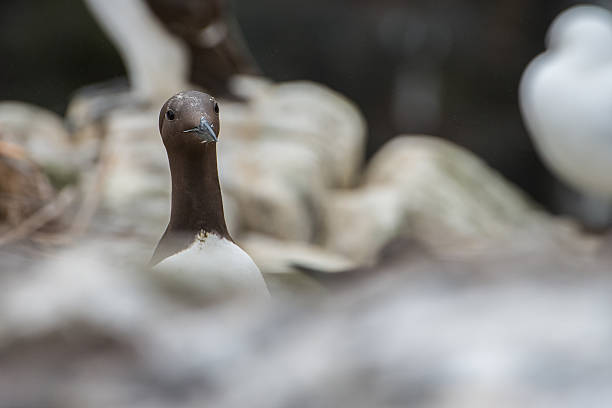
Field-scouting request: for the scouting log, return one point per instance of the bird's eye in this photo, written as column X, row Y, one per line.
column 170, row 115
column 216, row 107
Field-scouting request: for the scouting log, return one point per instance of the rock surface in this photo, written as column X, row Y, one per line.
column 432, row 333
column 42, row 135
column 437, row 193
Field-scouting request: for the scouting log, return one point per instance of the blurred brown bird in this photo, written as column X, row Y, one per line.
column 166, row 46
column 212, row 35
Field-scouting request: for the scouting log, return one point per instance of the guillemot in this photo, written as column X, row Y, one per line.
column 166, row 44
column 566, row 99
column 196, row 247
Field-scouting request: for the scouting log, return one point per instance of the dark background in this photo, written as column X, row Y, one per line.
column 449, row 68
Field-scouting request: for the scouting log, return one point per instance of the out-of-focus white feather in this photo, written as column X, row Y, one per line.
column 566, row 99
column 213, row 266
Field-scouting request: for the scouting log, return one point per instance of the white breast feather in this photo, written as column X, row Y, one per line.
column 211, row 266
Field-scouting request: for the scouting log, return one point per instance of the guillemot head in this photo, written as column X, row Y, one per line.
column 188, row 120
column 584, row 27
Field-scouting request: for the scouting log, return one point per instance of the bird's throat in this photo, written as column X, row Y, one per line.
column 196, row 195
column 197, row 205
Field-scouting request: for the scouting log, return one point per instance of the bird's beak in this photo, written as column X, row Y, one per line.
column 204, row 131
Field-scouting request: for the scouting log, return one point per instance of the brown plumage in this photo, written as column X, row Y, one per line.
column 213, row 38
column 196, row 195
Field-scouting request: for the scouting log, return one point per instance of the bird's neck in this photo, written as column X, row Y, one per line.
column 196, row 195
column 196, row 202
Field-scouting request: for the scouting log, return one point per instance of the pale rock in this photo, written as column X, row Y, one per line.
column 282, row 263
column 320, row 118
column 283, row 149
column 249, row 86
column 274, row 256
column 136, row 185
column 41, row 133
column 276, row 184
column 538, row 337
column 91, row 105
column 439, row 194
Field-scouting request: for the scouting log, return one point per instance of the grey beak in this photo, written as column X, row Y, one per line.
column 204, row 131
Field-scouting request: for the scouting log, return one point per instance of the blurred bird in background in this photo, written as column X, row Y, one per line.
column 166, row 46
column 566, row 103
column 212, row 37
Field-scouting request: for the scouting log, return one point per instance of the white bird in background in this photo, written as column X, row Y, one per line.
column 566, row 101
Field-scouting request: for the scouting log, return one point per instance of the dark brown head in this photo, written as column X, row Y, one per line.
column 189, row 126
column 189, row 120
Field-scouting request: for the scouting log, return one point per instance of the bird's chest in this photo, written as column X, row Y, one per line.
column 212, row 263
column 208, row 253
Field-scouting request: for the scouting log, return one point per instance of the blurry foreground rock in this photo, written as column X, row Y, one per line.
column 282, row 260
column 280, row 156
column 84, row 328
